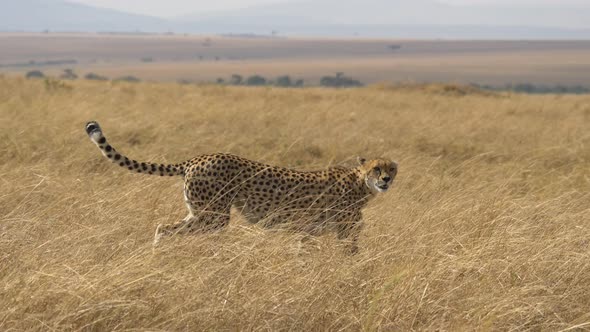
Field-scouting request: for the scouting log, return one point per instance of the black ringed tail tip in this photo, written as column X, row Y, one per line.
column 92, row 127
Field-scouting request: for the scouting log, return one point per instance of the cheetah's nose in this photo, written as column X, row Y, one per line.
column 386, row 179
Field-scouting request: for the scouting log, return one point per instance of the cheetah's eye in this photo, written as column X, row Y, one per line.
column 393, row 170
column 377, row 170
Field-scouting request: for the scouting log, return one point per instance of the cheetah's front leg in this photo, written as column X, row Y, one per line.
column 349, row 231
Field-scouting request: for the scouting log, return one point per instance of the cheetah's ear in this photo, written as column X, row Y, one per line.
column 361, row 160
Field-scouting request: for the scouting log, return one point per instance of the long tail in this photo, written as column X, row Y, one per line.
column 95, row 133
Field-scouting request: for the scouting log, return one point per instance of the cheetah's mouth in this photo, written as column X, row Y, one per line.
column 382, row 187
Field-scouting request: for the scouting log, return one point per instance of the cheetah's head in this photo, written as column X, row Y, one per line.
column 378, row 173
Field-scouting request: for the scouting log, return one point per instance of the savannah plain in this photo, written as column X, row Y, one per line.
column 485, row 228
column 204, row 59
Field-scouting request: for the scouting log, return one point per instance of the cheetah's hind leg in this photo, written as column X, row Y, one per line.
column 215, row 217
column 183, row 226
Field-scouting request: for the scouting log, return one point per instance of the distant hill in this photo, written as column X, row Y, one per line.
column 427, row 19
column 413, row 12
column 334, row 12
column 404, row 19
column 54, row 15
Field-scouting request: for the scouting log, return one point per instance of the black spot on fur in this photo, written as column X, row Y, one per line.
column 117, row 156
column 109, row 148
column 102, row 140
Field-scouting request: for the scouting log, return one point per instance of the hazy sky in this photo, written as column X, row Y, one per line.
column 171, row 8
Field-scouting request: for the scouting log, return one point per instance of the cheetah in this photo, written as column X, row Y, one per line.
column 312, row 201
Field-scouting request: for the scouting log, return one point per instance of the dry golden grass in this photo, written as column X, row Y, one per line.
column 486, row 228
